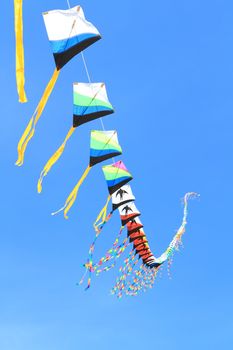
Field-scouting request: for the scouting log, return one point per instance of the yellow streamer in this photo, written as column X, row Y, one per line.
column 30, row 129
column 73, row 195
column 53, row 160
column 20, row 79
column 102, row 215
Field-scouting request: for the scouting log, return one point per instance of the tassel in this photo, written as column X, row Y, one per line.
column 72, row 196
column 20, row 79
column 53, row 160
column 30, row 129
column 102, row 215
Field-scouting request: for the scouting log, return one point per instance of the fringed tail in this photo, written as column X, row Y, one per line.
column 72, row 196
column 53, row 160
column 30, row 129
column 20, row 79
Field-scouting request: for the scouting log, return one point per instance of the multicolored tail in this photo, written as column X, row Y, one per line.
column 113, row 253
column 30, row 129
column 20, row 79
column 53, row 160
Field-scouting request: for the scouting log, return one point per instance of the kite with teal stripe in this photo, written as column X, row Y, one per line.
column 90, row 102
column 104, row 145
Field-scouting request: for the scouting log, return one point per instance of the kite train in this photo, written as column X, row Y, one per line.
column 69, row 34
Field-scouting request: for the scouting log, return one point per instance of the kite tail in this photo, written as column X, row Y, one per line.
column 30, row 129
column 177, row 239
column 143, row 279
column 114, row 252
column 72, row 196
column 53, row 160
column 20, row 79
column 124, row 272
column 102, row 216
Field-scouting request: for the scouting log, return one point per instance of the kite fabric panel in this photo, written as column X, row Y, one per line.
column 19, row 50
column 90, row 102
column 128, row 212
column 103, row 145
column 69, row 33
column 123, row 195
column 134, row 225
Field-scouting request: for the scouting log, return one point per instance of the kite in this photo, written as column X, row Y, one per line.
column 104, row 145
column 90, row 101
column 19, row 50
column 69, row 33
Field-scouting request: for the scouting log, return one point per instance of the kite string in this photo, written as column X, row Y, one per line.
column 89, row 78
column 87, row 72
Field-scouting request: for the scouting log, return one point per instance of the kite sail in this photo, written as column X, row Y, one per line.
column 69, row 33
column 90, row 101
column 128, row 212
column 19, row 50
column 104, row 145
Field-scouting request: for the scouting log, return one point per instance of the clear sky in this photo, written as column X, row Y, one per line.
column 168, row 67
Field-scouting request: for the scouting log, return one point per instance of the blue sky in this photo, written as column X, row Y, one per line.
column 168, row 67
